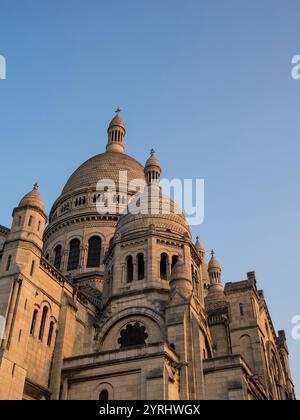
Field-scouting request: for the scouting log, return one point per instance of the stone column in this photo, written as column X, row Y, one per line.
column 169, row 268
column 64, row 263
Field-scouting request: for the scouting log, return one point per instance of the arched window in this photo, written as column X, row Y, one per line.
column 164, row 266
column 57, row 256
column 207, row 349
column 33, row 322
column 129, row 266
column 32, row 268
column 30, row 221
column 50, row 333
column 43, row 322
column 133, row 335
column 103, row 395
column 74, row 254
column 8, row 263
column 94, row 252
column 141, row 266
column 241, row 309
column 174, row 260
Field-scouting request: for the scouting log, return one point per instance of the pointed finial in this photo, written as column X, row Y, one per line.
column 152, row 152
column 197, row 238
column 212, row 253
column 117, row 111
column 35, row 186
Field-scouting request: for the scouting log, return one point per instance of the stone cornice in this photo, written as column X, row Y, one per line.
column 29, row 207
column 78, row 219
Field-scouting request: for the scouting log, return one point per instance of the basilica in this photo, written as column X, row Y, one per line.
column 120, row 305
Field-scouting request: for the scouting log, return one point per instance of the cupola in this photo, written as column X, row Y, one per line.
column 116, row 134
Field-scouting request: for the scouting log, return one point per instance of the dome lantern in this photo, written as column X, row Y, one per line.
column 152, row 169
column 214, row 269
column 116, row 134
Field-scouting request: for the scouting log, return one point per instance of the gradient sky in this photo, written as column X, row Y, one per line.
column 207, row 83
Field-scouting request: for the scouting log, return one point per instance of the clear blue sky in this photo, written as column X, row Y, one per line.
column 207, row 83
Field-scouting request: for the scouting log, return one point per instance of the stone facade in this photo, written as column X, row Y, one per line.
column 122, row 305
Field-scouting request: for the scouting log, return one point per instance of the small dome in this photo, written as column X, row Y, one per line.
column 181, row 280
column 215, row 298
column 153, row 210
column 214, row 263
column 179, row 271
column 117, row 121
column 152, row 160
column 33, row 198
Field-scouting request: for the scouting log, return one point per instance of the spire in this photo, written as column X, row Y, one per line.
column 215, row 298
column 116, row 134
column 152, row 169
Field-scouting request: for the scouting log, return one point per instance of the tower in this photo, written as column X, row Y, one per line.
column 25, row 240
column 20, row 262
column 217, row 309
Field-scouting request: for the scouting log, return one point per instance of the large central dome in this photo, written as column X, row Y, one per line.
column 103, row 166
column 75, row 220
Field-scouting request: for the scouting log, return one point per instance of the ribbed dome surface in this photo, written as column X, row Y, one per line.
column 104, row 166
column 214, row 264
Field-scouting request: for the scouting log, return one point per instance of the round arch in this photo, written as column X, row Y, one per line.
column 125, row 315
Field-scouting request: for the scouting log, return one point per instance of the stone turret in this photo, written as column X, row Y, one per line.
column 181, row 281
